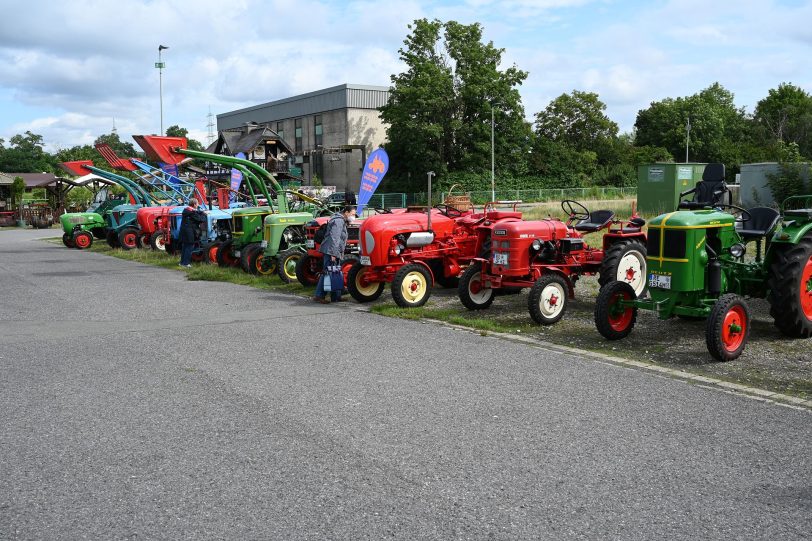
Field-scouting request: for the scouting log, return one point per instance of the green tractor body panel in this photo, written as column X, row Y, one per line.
column 247, row 225
column 274, row 230
column 85, row 221
column 797, row 223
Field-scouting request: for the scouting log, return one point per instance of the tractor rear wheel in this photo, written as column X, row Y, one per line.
column 547, row 301
column 245, row 252
column 211, row 252
column 112, row 239
column 361, row 289
column 286, row 263
column 625, row 261
column 158, row 240
column 728, row 327
column 126, row 238
column 67, row 240
column 613, row 320
column 225, row 255
column 82, row 240
column 412, row 286
column 308, row 269
column 471, row 291
column 790, row 286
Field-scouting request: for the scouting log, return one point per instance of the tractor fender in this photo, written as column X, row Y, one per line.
column 565, row 276
column 427, row 267
column 611, row 238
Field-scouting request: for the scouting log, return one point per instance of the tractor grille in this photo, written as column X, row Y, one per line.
column 653, row 245
column 673, row 244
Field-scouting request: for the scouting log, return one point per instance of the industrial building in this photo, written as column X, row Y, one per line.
column 330, row 131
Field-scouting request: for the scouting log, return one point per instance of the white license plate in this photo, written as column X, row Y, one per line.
column 500, row 258
column 237, row 253
column 310, row 243
column 263, row 244
column 659, row 281
column 365, row 260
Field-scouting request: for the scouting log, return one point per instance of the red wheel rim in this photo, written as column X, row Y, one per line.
column 212, row 252
column 806, row 289
column 160, row 242
column 82, row 241
column 734, row 328
column 475, row 286
column 620, row 317
column 129, row 239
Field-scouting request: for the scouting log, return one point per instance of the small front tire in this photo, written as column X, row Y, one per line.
column 361, row 289
column 547, row 301
column 728, row 327
column 613, row 320
column 411, row 286
column 471, row 290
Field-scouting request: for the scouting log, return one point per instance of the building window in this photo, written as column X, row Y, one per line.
column 317, row 129
column 298, row 134
column 280, row 130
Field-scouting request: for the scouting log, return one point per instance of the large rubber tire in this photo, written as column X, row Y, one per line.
column 615, row 322
column 728, row 327
column 112, row 239
column 360, row 289
column 308, row 269
column 82, row 240
column 67, row 240
column 126, row 238
column 790, row 284
column 225, row 255
column 260, row 264
column 411, row 286
column 548, row 300
column 141, row 241
column 286, row 263
column 245, row 252
column 625, row 261
column 211, row 252
column 470, row 291
column 158, row 240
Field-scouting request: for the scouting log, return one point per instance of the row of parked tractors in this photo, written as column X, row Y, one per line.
column 692, row 263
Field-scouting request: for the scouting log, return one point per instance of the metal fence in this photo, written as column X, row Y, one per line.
column 542, row 195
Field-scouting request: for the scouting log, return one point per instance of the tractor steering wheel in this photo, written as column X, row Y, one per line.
column 573, row 210
column 741, row 215
column 451, row 212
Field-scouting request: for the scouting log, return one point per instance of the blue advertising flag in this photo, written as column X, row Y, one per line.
column 376, row 167
column 236, row 179
column 170, row 169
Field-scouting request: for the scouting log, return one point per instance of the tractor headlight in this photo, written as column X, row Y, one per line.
column 737, row 250
column 398, row 248
column 536, row 245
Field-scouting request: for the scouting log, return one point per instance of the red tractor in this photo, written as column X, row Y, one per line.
column 154, row 227
column 414, row 249
column 549, row 256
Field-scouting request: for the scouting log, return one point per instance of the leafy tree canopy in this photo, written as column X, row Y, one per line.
column 578, row 120
column 177, row 131
column 785, row 116
column 25, row 154
column 124, row 149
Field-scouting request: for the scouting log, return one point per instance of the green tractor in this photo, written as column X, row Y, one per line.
column 698, row 268
column 80, row 228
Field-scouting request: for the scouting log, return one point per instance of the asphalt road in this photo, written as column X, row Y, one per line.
column 137, row 404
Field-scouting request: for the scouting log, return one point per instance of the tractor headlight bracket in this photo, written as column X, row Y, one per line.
column 737, row 250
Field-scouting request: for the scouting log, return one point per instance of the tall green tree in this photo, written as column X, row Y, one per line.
column 785, row 116
column 25, row 154
column 124, row 149
column 439, row 109
column 177, row 131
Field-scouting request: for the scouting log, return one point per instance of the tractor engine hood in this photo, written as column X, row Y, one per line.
column 537, row 229
column 377, row 231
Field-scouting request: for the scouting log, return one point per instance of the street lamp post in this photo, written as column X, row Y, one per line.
column 493, row 178
column 160, row 65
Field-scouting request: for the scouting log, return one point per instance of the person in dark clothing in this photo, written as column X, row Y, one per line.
column 332, row 247
column 190, row 222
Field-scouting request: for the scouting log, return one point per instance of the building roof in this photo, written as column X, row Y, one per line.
column 32, row 180
column 245, row 139
column 344, row 96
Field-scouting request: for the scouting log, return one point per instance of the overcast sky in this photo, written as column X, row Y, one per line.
column 68, row 70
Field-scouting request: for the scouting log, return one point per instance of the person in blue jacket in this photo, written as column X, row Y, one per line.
column 190, row 223
column 332, row 248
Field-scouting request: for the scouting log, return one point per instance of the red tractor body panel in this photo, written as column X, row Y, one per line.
column 151, row 219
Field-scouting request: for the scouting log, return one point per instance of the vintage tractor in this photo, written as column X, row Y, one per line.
column 419, row 247
column 549, row 256
column 698, row 269
column 80, row 228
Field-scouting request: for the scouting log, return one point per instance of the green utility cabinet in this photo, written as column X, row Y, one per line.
column 659, row 185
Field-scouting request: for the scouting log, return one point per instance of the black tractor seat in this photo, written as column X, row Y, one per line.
column 597, row 220
column 634, row 225
column 710, row 191
column 762, row 222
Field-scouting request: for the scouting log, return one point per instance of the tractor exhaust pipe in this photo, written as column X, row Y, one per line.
column 428, row 212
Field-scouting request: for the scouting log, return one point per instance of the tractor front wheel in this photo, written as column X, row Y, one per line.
column 472, row 291
column 286, row 264
column 158, row 240
column 361, row 289
column 258, row 263
column 225, row 255
column 625, row 261
column 790, row 286
column 211, row 252
column 67, row 240
column 548, row 299
column 613, row 320
column 412, row 286
column 82, row 240
column 126, row 238
column 142, row 241
column 308, row 269
column 728, row 327
column 245, row 252
column 112, row 239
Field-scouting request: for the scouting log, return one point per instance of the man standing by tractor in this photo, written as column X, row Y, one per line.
column 335, row 240
column 191, row 219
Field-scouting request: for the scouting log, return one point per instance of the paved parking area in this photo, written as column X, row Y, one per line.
column 136, row 403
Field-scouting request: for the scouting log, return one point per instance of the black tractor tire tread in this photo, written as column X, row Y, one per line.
column 602, row 310
column 462, row 288
column 302, row 272
column 535, row 296
column 400, row 275
column 611, row 259
column 280, row 259
column 354, row 293
column 713, row 327
column 784, row 285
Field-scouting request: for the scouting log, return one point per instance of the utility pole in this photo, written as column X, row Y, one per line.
column 687, row 137
column 493, row 178
column 160, row 65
